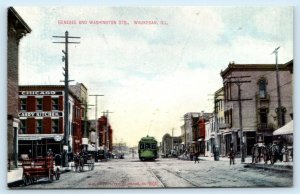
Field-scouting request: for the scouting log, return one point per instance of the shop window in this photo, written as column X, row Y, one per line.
column 54, row 124
column 54, row 103
column 23, row 103
column 39, row 104
column 39, row 126
column 23, row 126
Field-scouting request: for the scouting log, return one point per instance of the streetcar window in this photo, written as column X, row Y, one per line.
column 142, row 146
column 147, row 145
column 153, row 146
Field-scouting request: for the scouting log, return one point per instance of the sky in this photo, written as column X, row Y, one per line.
column 151, row 74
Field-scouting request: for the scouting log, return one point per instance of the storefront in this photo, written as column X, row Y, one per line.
column 38, row 144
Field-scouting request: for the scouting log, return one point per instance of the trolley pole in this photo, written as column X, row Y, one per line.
column 65, row 58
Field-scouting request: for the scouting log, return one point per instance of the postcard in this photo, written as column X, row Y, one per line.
column 103, row 97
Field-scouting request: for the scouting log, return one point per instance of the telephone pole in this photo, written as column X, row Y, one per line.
column 65, row 59
column 96, row 122
column 279, row 109
column 85, row 133
column 238, row 81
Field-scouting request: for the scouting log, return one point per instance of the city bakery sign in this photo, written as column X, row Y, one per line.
column 41, row 114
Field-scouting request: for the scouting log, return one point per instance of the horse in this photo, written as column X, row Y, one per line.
column 78, row 161
column 270, row 152
column 256, row 153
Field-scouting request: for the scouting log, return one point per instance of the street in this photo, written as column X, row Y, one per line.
column 169, row 173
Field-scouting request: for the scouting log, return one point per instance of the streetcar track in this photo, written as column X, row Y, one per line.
column 155, row 175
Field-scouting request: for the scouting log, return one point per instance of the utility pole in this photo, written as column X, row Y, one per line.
column 65, row 59
column 107, row 140
column 279, row 109
column 238, row 81
column 85, row 134
column 172, row 138
column 96, row 123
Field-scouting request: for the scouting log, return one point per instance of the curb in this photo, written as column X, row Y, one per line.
column 270, row 167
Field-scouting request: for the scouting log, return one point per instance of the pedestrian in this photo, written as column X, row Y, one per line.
column 196, row 157
column 284, row 153
column 49, row 153
column 231, row 156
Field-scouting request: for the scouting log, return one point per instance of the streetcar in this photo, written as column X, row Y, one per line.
column 147, row 149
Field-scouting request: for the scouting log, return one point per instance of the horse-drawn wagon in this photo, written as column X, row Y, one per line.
column 39, row 167
column 83, row 159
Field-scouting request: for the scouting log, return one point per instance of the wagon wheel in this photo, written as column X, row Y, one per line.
column 25, row 180
column 57, row 174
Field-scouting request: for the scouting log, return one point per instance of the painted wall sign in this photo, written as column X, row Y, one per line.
column 41, row 114
column 40, row 93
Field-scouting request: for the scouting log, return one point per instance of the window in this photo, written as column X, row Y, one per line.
column 39, row 126
column 153, row 146
column 23, row 103
column 142, row 146
column 23, row 126
column 262, row 88
column 39, row 104
column 54, row 103
column 54, row 124
column 147, row 146
column 263, row 118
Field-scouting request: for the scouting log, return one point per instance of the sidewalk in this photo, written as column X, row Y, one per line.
column 284, row 166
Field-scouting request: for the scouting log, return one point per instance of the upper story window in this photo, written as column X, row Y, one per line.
column 23, row 126
column 54, row 102
column 39, row 104
column 263, row 118
column 55, row 127
column 39, row 126
column 262, row 88
column 23, row 103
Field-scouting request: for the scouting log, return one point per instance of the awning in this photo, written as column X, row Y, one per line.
column 285, row 130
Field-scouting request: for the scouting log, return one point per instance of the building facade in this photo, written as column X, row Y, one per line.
column 41, row 113
column 16, row 29
column 251, row 99
column 105, row 133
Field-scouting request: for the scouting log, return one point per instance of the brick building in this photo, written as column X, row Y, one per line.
column 16, row 29
column 105, row 133
column 259, row 110
column 41, row 110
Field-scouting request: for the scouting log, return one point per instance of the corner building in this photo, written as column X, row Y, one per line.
column 41, row 110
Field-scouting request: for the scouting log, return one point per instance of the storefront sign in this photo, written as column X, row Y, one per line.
column 41, row 114
column 40, row 93
column 57, row 138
